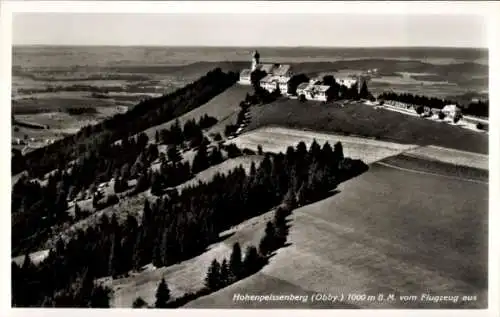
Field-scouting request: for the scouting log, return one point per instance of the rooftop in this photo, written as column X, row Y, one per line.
column 303, row 86
column 281, row 70
column 245, row 73
column 268, row 78
column 320, row 88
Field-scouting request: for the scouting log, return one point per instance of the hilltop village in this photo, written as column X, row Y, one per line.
column 278, row 77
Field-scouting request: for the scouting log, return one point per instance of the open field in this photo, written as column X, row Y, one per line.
column 220, row 107
column 276, row 139
column 37, row 105
column 370, row 239
column 451, row 156
column 60, row 124
column 361, row 120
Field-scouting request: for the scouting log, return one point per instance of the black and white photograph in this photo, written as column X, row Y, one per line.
column 224, row 160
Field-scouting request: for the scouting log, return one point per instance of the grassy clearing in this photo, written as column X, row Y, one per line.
column 60, row 123
column 189, row 275
column 361, row 120
column 451, row 156
column 428, row 236
column 228, row 165
column 275, row 139
column 36, row 257
column 219, row 107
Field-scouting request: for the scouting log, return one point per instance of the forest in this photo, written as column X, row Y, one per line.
column 36, row 209
column 177, row 226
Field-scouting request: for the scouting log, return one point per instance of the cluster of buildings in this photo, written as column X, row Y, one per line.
column 450, row 111
column 314, row 90
column 278, row 77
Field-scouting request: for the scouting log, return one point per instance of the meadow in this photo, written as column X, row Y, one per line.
column 370, row 238
column 357, row 119
column 220, row 107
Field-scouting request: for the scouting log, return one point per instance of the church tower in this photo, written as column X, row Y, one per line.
column 255, row 60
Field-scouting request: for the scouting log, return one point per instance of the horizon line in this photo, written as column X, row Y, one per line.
column 254, row 46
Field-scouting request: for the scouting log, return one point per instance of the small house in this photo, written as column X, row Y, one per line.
column 320, row 92
column 314, row 91
column 301, row 89
column 348, row 82
column 450, row 111
column 269, row 83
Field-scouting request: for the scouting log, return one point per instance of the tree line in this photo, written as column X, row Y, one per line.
column 181, row 225
column 36, row 208
column 191, row 132
column 479, row 108
column 147, row 113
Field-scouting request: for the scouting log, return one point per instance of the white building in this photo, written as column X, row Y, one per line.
column 283, row 84
column 348, row 82
column 313, row 91
column 451, row 111
column 281, row 72
column 269, row 83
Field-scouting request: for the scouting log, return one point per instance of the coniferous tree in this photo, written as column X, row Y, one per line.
column 100, row 297
column 157, row 253
column 252, row 261
column 156, row 184
column 267, row 242
column 200, row 161
column 212, row 280
column 290, row 201
column 162, row 295
column 115, row 260
column 303, row 194
column 314, row 150
column 216, row 157
column 139, row 303
column 226, row 277
column 338, row 152
column 235, row 262
column 364, row 93
column 77, row 211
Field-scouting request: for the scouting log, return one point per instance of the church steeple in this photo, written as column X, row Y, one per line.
column 255, row 60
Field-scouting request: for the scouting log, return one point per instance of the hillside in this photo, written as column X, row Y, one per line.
column 358, row 119
column 370, row 239
column 220, row 107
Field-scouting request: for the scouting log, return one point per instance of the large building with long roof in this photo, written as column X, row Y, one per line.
column 277, row 74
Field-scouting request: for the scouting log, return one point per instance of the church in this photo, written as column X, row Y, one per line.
column 277, row 76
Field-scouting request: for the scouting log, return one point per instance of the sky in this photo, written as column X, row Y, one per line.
column 335, row 30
